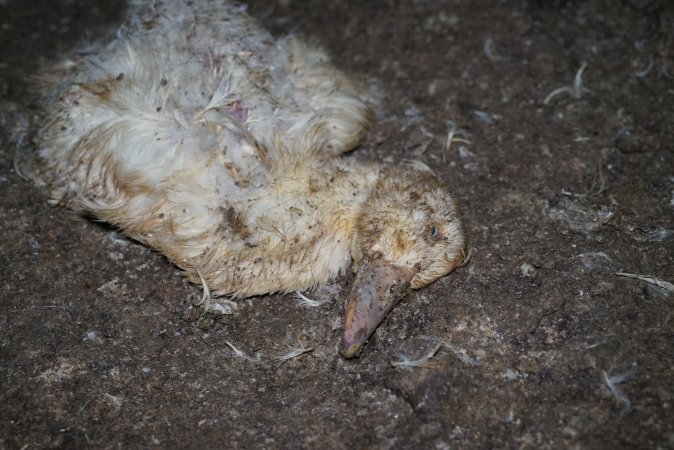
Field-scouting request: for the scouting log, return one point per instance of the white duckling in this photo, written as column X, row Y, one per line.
column 198, row 134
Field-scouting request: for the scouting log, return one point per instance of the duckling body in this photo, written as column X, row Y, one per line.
column 198, row 134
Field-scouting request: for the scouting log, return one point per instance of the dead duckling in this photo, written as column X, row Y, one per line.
column 198, row 134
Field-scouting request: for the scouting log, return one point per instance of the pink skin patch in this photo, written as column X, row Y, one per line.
column 238, row 111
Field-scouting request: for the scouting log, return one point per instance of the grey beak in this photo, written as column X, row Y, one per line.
column 379, row 285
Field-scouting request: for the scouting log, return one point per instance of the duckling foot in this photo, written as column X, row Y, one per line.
column 378, row 286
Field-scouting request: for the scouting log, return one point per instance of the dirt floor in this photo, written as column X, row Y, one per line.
column 540, row 344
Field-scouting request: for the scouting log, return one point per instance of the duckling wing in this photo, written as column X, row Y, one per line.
column 286, row 93
column 332, row 113
column 205, row 80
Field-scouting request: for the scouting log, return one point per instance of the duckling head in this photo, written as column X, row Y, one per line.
column 408, row 235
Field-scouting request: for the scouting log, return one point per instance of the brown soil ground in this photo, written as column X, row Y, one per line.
column 544, row 346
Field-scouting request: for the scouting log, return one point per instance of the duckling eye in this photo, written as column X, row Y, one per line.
column 435, row 233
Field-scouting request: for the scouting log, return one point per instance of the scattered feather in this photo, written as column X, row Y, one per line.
column 612, row 383
column 594, row 255
column 527, row 269
column 664, row 73
column 412, row 111
column 645, row 71
column 597, row 188
column 489, row 49
column 223, row 307
column 484, row 117
column 91, row 336
column 462, row 354
column 592, row 260
column 426, row 133
column 416, row 165
column 117, row 239
column 206, row 298
column 305, row 301
column 455, row 135
column 663, row 287
column 294, row 350
column 466, row 257
column 113, row 401
column 240, row 354
column 575, row 91
column 424, row 361
column 464, row 152
column 336, row 324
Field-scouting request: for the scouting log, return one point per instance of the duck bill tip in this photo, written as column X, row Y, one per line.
column 378, row 286
column 351, row 351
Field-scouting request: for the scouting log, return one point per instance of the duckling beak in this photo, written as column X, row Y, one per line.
column 378, row 286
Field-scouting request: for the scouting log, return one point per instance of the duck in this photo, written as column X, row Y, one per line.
column 197, row 133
